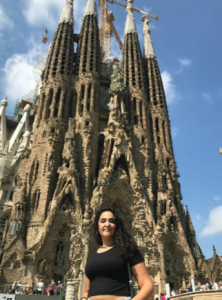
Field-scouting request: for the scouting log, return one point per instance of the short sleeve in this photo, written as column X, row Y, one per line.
column 136, row 258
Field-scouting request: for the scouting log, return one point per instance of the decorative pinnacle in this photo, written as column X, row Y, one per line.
column 4, row 102
column 67, row 14
column 148, row 45
column 91, row 8
column 130, row 26
column 117, row 86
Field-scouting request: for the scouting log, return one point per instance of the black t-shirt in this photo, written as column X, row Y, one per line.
column 108, row 272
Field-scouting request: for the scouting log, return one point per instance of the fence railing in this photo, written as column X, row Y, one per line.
column 25, row 289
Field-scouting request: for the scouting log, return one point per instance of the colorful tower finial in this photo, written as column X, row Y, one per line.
column 130, row 26
column 67, row 14
column 148, row 45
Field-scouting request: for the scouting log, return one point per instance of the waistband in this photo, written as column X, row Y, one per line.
column 127, row 298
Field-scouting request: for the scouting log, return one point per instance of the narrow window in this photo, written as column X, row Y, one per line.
column 71, row 105
column 82, row 91
column 95, row 98
column 157, row 124
column 5, row 195
column 164, row 133
column 164, row 182
column 55, row 113
column 37, row 200
column 48, row 110
column 168, row 162
column 11, row 195
column 50, row 96
column 163, row 208
column 89, row 91
column 58, row 95
column 135, row 120
column 134, row 104
column 151, row 127
column 141, row 113
column 111, row 150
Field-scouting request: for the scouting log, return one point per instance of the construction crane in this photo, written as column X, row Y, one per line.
column 110, row 30
column 107, row 28
column 133, row 8
column 45, row 38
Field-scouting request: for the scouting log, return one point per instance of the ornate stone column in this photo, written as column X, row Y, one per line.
column 162, row 283
column 72, row 290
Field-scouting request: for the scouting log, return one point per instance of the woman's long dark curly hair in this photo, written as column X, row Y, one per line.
column 123, row 240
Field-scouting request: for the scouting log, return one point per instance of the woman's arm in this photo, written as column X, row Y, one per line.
column 85, row 293
column 144, row 281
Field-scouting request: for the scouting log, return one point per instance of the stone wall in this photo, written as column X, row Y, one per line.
column 212, row 295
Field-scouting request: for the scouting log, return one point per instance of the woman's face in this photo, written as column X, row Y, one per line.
column 106, row 225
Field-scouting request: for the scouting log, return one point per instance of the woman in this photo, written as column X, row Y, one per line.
column 107, row 268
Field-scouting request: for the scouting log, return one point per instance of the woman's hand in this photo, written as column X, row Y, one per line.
column 145, row 283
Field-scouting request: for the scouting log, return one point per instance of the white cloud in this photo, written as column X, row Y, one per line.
column 46, row 13
column 184, row 62
column 174, row 131
column 216, row 198
column 43, row 13
column 214, row 223
column 169, row 87
column 17, row 75
column 5, row 23
column 206, row 96
column 198, row 217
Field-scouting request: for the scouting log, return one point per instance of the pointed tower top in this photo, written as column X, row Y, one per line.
column 67, row 14
column 91, row 8
column 130, row 26
column 148, row 45
column 4, row 102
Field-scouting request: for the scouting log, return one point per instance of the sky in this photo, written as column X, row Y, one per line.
column 187, row 41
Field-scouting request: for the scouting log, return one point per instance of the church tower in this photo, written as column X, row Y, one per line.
column 87, row 88
column 37, row 178
column 169, row 212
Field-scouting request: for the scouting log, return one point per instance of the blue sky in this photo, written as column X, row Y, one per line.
column 188, row 44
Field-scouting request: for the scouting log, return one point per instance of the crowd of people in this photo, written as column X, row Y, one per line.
column 38, row 288
column 198, row 288
column 207, row 286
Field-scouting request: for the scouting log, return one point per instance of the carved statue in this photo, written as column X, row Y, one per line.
column 43, row 267
column 25, row 145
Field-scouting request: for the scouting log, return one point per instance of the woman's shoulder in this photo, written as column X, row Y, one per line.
column 136, row 257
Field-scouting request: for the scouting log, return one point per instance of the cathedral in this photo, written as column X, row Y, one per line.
column 98, row 134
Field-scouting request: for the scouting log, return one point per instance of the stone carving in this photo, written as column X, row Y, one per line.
column 44, row 267
column 24, row 148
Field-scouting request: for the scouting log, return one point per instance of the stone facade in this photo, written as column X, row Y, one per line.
column 99, row 140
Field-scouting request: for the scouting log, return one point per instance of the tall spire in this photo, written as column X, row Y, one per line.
column 67, row 14
column 130, row 26
column 91, row 8
column 148, row 45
